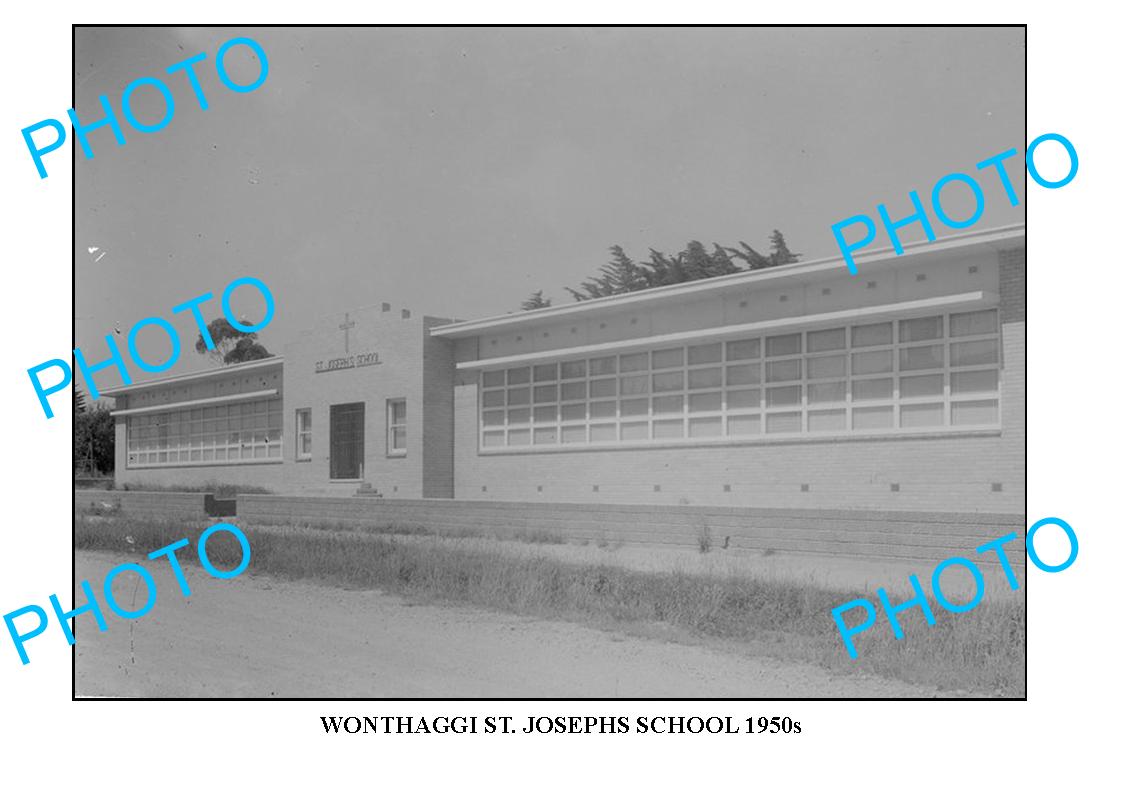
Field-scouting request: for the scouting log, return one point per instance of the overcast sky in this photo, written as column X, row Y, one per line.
column 455, row 171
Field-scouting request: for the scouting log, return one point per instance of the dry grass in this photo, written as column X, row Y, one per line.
column 980, row 653
column 220, row 490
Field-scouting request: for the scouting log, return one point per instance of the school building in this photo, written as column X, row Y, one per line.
column 795, row 387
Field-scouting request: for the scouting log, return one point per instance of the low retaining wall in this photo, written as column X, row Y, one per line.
column 928, row 536
column 184, row 505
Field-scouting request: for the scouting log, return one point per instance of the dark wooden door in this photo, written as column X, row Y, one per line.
column 347, row 421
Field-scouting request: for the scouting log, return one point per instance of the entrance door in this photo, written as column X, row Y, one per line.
column 347, row 421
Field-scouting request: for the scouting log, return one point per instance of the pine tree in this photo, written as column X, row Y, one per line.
column 622, row 275
column 722, row 263
column 619, row 275
column 755, row 259
column 535, row 301
column 79, row 401
column 781, row 255
column 696, row 262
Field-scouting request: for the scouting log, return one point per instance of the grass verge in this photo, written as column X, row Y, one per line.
column 981, row 652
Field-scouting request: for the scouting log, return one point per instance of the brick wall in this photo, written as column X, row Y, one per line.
column 911, row 535
column 977, row 472
column 185, row 505
column 438, row 370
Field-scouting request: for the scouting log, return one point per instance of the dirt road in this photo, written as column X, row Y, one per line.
column 257, row 636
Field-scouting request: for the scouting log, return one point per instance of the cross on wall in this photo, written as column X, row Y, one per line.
column 347, row 326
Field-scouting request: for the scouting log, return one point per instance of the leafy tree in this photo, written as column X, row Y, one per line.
column 231, row 345
column 246, row 350
column 93, row 441
column 535, row 301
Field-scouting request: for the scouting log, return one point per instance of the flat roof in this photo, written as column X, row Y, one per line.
column 257, row 364
column 872, row 260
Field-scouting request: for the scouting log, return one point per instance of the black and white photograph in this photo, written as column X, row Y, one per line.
column 550, row 362
column 599, row 399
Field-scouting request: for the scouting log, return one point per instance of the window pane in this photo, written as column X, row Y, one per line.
column 665, row 382
column 922, row 357
column 545, row 436
column 630, row 362
column 493, row 398
column 546, row 372
column 930, row 328
column 826, row 367
column 704, row 354
column 784, row 344
column 871, row 362
column 546, row 392
column 602, row 409
column 743, row 399
column 976, row 352
column 916, row 386
column 634, row 385
column 667, row 358
column 871, row 334
column 520, row 395
column 518, row 436
column 784, row 423
column 573, row 411
column 784, row 370
column 826, row 392
column 602, row 388
column 705, row 377
column 604, row 366
column 667, row 405
column 573, row 390
column 826, row 420
column 705, row 402
column 974, row 381
column 744, row 425
column 493, row 418
column 667, row 429
column 572, row 434
column 573, row 370
column 631, row 431
column 922, row 415
column 518, row 376
column 605, row 432
column 742, row 349
column 705, row 427
column 634, row 407
column 546, row 414
column 515, row 416
column 399, row 439
column 968, row 323
column 742, row 374
column 974, row 413
column 872, row 417
column 783, row 396
column 826, row 340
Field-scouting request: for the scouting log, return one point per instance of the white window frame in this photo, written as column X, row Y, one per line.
column 238, row 432
column 391, row 426
column 303, row 432
column 507, row 417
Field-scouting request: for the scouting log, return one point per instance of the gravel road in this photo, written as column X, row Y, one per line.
column 257, row 636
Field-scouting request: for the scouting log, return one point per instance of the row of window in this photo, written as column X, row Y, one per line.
column 931, row 372
column 233, row 432
column 224, row 433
